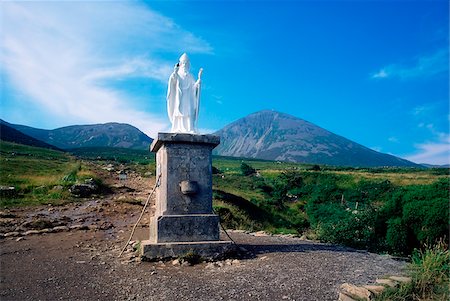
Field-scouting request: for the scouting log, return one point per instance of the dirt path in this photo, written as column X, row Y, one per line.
column 81, row 263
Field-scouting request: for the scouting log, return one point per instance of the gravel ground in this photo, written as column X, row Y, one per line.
column 83, row 264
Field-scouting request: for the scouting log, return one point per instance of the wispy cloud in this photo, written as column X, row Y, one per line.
column 424, row 66
column 422, row 110
column 62, row 55
column 393, row 139
column 432, row 152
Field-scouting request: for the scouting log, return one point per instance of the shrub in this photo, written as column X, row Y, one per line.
column 247, row 170
column 397, row 236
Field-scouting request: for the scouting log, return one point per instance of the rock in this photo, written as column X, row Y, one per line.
column 93, row 227
column 176, row 262
column 260, row 233
column 60, row 229
column 9, row 234
column 401, row 279
column 235, row 262
column 78, row 227
column 106, row 226
column 344, row 297
column 387, row 282
column 218, row 264
column 376, row 289
column 19, row 238
column 30, row 232
column 356, row 291
column 83, row 190
column 7, row 214
column 263, row 258
column 8, row 191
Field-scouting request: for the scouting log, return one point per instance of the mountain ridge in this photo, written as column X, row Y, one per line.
column 279, row 136
column 112, row 134
column 10, row 134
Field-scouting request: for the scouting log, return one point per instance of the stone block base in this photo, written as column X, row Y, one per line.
column 184, row 228
column 209, row 250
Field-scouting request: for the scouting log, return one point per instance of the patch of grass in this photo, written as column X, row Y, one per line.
column 191, row 257
column 39, row 176
column 429, row 271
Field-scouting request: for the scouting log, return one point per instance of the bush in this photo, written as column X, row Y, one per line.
column 397, row 236
column 247, row 170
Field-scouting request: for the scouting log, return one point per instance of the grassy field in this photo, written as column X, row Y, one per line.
column 381, row 209
column 38, row 175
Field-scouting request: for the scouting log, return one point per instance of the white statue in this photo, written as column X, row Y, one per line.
column 183, row 97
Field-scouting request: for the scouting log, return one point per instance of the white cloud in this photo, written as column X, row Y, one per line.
column 393, row 139
column 424, row 66
column 380, row 74
column 432, row 152
column 61, row 54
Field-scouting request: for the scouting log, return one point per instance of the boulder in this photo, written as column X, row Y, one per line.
column 84, row 190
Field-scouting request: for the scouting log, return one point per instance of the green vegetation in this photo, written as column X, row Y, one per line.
column 141, row 161
column 429, row 271
column 120, row 155
column 391, row 210
column 367, row 209
column 38, row 175
column 247, row 170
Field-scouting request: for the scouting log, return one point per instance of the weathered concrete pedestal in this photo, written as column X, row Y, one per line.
column 184, row 221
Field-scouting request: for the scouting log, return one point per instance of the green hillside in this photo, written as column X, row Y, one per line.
column 381, row 209
column 38, row 175
column 384, row 210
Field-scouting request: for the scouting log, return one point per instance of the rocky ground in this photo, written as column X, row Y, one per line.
column 71, row 252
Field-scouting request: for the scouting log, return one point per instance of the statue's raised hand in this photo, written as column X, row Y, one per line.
column 200, row 72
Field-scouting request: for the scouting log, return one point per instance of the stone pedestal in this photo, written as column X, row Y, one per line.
column 184, row 221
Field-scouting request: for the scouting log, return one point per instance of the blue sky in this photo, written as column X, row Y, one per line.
column 375, row 72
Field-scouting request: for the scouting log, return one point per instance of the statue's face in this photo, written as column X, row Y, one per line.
column 184, row 64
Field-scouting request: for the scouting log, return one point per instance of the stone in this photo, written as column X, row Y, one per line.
column 8, row 191
column 260, row 233
column 344, row 297
column 9, row 234
column 376, row 289
column 29, row 232
column 83, row 190
column 356, row 291
column 212, row 250
column 184, row 220
column 387, row 282
column 60, row 229
column 401, row 279
column 78, row 227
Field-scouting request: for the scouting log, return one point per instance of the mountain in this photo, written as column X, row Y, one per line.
column 94, row 135
column 272, row 135
column 7, row 133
